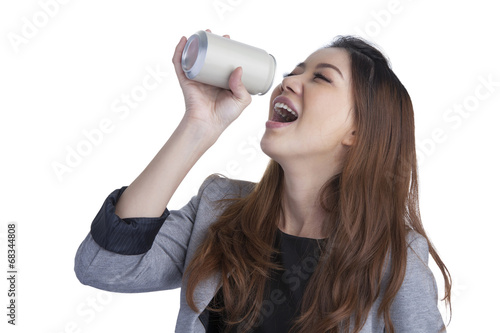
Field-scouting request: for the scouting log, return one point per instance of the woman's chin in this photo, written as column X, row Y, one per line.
column 266, row 146
column 270, row 146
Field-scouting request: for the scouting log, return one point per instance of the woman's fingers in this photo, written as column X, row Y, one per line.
column 237, row 88
column 176, row 59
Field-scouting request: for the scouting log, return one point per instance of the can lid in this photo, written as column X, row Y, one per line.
column 194, row 54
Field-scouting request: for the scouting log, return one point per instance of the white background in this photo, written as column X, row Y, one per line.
column 70, row 73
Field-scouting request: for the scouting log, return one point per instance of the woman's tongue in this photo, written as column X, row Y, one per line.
column 277, row 118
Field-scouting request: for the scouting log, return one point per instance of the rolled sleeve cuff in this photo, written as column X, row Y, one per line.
column 128, row 236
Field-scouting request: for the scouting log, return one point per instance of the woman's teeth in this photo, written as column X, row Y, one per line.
column 277, row 106
column 285, row 111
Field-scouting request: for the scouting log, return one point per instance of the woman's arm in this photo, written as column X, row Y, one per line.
column 209, row 110
column 126, row 256
column 135, row 243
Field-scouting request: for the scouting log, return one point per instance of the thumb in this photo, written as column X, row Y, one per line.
column 237, row 87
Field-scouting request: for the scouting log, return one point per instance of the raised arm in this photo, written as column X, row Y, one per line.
column 209, row 111
column 135, row 243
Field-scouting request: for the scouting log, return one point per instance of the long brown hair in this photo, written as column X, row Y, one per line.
column 371, row 206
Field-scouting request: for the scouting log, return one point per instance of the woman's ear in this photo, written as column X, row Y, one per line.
column 350, row 138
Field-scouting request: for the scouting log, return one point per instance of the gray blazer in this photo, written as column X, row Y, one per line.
column 414, row 309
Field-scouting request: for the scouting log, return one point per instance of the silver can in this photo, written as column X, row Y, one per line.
column 210, row 59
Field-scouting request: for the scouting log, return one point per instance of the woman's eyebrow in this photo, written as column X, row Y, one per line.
column 322, row 65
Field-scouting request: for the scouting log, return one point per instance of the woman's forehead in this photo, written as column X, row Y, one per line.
column 331, row 55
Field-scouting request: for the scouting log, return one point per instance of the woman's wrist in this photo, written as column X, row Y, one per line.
column 203, row 134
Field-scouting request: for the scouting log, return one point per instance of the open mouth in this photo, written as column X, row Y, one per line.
column 283, row 113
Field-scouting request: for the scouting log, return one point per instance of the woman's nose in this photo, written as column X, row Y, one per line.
column 292, row 84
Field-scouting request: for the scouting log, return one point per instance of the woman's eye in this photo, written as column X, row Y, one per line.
column 315, row 75
column 322, row 77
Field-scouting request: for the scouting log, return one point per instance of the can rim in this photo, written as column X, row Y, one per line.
column 192, row 72
column 272, row 76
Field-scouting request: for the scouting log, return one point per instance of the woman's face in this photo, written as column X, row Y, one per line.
column 310, row 114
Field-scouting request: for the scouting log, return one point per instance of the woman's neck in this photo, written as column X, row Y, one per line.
column 302, row 212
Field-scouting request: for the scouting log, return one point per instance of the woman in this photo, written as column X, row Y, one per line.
column 330, row 240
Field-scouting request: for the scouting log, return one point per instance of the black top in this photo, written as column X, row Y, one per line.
column 298, row 256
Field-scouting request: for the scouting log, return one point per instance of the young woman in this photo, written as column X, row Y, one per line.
column 330, row 240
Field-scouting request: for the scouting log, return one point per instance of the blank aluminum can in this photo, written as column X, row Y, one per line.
column 210, row 59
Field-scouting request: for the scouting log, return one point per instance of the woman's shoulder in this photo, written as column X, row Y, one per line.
column 418, row 247
column 414, row 308
column 217, row 186
column 419, row 279
column 417, row 256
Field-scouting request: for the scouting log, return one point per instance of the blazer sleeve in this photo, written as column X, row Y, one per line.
column 415, row 307
column 136, row 254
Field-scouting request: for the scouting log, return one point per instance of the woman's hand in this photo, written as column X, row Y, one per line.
column 210, row 107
